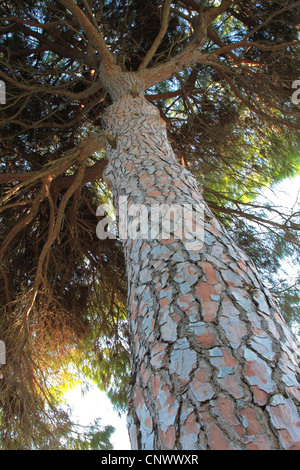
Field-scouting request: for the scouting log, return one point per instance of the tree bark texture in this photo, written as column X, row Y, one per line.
column 214, row 365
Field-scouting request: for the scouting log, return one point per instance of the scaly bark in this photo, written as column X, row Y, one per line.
column 214, row 365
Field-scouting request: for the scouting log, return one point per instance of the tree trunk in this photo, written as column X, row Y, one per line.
column 214, row 366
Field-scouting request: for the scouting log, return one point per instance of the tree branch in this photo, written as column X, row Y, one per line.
column 159, row 37
column 190, row 55
column 253, row 108
column 193, row 53
column 92, row 173
column 212, row 12
column 90, row 30
column 164, row 96
column 88, row 146
column 25, row 220
column 55, row 227
column 54, row 90
column 263, row 221
column 258, row 45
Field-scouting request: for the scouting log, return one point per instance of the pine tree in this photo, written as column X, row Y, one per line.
column 165, row 104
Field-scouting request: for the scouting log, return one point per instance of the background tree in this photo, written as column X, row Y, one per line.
column 220, row 74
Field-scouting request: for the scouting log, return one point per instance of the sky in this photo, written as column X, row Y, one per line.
column 95, row 404
column 285, row 193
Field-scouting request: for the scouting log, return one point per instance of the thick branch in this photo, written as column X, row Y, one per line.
column 92, row 173
column 164, row 96
column 90, row 30
column 213, row 12
column 190, row 55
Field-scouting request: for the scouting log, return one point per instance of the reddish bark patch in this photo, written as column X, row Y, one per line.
column 190, row 424
column 217, row 440
column 210, row 307
column 154, row 193
column 209, row 272
column 207, row 340
column 259, row 443
column 251, row 421
column 168, row 438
